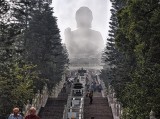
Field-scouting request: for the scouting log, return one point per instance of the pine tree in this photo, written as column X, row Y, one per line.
column 17, row 78
column 43, row 46
column 112, row 55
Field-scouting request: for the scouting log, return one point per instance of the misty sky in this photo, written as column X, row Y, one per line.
column 65, row 12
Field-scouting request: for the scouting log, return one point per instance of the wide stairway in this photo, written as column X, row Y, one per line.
column 54, row 107
column 99, row 109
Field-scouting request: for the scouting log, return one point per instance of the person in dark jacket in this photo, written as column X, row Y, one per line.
column 32, row 114
column 91, row 97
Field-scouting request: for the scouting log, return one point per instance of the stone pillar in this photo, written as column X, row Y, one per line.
column 152, row 115
column 117, row 109
column 44, row 95
column 115, row 106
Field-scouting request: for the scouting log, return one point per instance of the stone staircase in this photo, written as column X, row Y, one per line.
column 98, row 110
column 54, row 107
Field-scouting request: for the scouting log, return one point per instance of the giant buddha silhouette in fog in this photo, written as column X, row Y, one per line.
column 84, row 42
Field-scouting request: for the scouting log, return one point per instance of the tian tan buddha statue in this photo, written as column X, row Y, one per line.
column 84, row 42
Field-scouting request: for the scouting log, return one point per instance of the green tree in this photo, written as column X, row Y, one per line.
column 113, row 57
column 137, row 37
column 16, row 86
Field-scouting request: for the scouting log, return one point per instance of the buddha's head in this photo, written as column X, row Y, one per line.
column 84, row 17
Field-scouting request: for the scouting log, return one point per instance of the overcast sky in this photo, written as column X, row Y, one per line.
column 65, row 12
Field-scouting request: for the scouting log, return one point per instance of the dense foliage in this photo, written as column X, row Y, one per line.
column 136, row 74
column 31, row 53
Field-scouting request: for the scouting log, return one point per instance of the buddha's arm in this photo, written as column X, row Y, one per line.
column 100, row 42
column 68, row 38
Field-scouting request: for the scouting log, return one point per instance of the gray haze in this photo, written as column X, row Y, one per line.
column 65, row 12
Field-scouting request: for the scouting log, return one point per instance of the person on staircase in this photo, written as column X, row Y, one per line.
column 99, row 87
column 15, row 114
column 93, row 86
column 32, row 114
column 91, row 97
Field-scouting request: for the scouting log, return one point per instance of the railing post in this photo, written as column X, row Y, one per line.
column 64, row 113
column 26, row 108
column 118, row 108
column 115, row 106
column 152, row 115
column 38, row 101
column 44, row 95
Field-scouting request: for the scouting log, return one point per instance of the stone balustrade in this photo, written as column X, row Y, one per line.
column 114, row 103
column 38, row 101
column 57, row 89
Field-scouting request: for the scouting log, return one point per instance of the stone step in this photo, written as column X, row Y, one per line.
column 99, row 109
column 54, row 107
